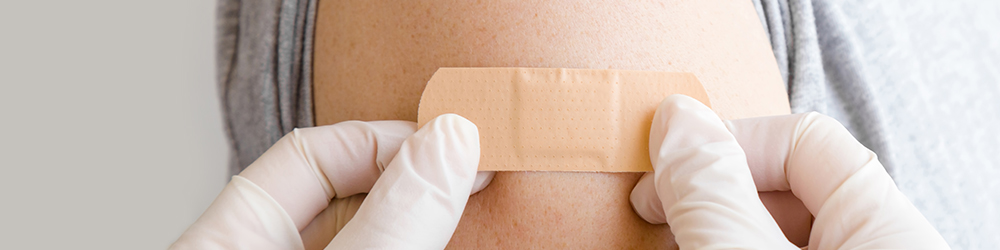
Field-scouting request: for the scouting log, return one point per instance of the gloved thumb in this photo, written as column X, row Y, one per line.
column 702, row 180
column 419, row 199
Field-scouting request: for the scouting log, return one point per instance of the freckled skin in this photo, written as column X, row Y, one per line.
column 372, row 60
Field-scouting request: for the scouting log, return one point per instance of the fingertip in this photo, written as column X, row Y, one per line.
column 433, row 173
column 456, row 123
column 665, row 112
column 467, row 130
column 674, row 98
column 483, row 179
column 462, row 133
column 408, row 127
column 456, row 142
column 645, row 201
column 389, row 136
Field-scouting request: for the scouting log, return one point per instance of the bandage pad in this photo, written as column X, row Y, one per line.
column 545, row 119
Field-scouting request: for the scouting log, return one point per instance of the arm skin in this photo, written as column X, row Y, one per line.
column 372, row 60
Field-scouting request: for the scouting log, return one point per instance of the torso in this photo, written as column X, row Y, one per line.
column 372, row 60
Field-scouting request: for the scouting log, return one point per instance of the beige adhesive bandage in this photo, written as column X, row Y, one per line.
column 541, row 119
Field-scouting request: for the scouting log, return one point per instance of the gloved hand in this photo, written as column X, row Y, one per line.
column 704, row 185
column 415, row 197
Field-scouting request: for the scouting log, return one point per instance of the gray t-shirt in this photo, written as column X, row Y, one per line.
column 918, row 82
column 264, row 61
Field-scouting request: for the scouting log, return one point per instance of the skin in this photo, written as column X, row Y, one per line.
column 372, row 60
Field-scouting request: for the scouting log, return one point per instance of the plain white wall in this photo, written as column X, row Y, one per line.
column 110, row 126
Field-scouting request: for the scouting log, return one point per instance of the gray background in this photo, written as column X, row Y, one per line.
column 111, row 127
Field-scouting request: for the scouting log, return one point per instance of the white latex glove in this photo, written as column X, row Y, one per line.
column 415, row 197
column 709, row 187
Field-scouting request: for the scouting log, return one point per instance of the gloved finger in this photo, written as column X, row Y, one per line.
column 325, row 225
column 310, row 166
column 646, row 202
column 856, row 203
column 283, row 190
column 792, row 217
column 703, row 181
column 357, row 153
column 483, row 179
column 766, row 142
column 348, row 157
column 243, row 216
column 419, row 199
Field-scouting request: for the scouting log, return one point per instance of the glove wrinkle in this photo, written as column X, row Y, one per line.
column 839, row 181
column 856, row 203
column 419, row 199
column 305, row 152
column 356, row 151
column 243, row 216
column 704, row 183
column 305, row 189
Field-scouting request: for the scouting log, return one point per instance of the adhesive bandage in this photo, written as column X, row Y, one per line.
column 548, row 119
